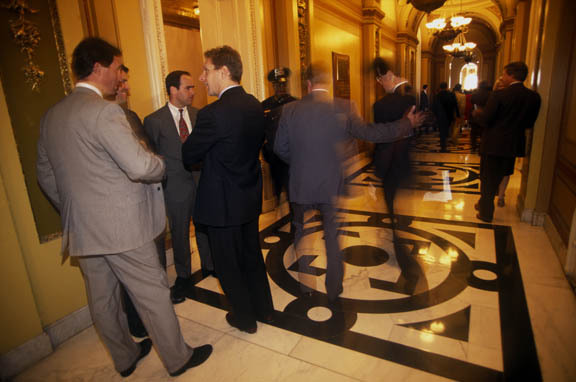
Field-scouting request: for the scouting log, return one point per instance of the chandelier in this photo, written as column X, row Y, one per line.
column 446, row 31
column 460, row 48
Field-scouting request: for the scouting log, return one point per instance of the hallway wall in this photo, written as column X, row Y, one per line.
column 335, row 33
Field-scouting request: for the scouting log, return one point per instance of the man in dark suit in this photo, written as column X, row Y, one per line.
column 102, row 180
column 167, row 128
column 445, row 109
column 479, row 99
column 424, row 104
column 227, row 138
column 508, row 113
column 310, row 137
column 392, row 160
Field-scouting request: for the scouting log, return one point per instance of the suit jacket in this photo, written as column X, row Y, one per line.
column 227, row 137
column 162, row 132
column 445, row 107
column 392, row 159
column 92, row 167
column 424, row 101
column 507, row 114
column 313, row 136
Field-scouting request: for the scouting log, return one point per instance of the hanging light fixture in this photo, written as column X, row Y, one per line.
column 448, row 30
column 460, row 48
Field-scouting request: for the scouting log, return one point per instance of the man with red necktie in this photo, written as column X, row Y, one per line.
column 167, row 128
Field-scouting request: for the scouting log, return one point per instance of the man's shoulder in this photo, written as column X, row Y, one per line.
column 158, row 114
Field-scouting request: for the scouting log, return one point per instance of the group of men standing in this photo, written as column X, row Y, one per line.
column 115, row 180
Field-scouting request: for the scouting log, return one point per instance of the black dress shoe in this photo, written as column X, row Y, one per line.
column 180, row 289
column 145, row 347
column 267, row 318
column 232, row 322
column 483, row 218
column 200, row 355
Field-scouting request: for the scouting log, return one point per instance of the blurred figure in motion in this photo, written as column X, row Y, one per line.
column 310, row 137
column 392, row 160
column 479, row 99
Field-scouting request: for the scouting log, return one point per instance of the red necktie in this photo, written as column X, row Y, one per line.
column 183, row 127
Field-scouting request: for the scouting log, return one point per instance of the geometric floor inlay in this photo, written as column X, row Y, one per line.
column 463, row 178
column 435, row 299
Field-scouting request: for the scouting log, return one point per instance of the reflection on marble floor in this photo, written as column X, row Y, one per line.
column 429, row 142
column 451, row 299
column 428, row 175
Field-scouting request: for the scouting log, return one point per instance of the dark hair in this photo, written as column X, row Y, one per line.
column 425, row 86
column 124, row 68
column 228, row 57
column 517, row 69
column 485, row 85
column 90, row 51
column 458, row 88
column 443, row 85
column 173, row 79
column 381, row 66
column 317, row 73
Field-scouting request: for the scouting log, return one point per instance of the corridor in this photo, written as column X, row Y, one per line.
column 452, row 299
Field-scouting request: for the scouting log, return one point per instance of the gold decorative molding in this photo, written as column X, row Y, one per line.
column 26, row 35
column 304, row 40
column 59, row 40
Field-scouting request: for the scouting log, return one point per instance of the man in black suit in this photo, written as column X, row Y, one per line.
column 227, row 137
column 392, row 160
column 445, row 109
column 167, row 128
column 508, row 113
column 424, row 104
column 310, row 139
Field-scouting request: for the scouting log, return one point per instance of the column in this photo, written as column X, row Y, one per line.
column 372, row 17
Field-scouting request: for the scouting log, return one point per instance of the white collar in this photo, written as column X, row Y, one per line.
column 398, row 84
column 320, row 90
column 176, row 110
column 89, row 86
column 229, row 87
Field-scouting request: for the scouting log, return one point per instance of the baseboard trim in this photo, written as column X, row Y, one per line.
column 19, row 359
column 528, row 215
column 24, row 356
column 69, row 326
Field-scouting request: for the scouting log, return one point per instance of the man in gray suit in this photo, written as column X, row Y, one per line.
column 104, row 183
column 167, row 128
column 310, row 138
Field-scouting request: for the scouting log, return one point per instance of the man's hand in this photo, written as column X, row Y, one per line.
column 416, row 119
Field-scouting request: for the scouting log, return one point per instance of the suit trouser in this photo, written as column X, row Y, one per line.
column 134, row 321
column 179, row 217
column 139, row 271
column 492, row 170
column 335, row 267
column 241, row 270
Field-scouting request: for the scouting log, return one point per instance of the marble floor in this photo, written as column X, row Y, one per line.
column 452, row 298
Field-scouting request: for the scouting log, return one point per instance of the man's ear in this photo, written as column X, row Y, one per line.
column 97, row 68
column 225, row 71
